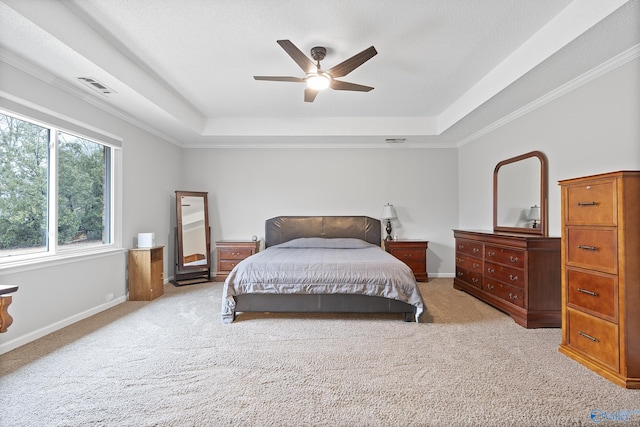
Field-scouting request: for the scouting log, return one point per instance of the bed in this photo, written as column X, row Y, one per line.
column 322, row 264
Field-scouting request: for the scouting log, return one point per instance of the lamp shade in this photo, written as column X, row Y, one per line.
column 534, row 213
column 388, row 212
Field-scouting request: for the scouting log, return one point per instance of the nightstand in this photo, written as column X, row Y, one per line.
column 411, row 252
column 230, row 253
column 146, row 273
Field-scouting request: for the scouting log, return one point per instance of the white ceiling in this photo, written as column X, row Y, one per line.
column 446, row 70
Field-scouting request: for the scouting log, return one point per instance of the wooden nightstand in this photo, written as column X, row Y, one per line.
column 146, row 273
column 230, row 253
column 411, row 252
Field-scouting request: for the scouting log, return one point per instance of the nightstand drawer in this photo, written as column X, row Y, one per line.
column 594, row 293
column 594, row 337
column 235, row 253
column 512, row 257
column 591, row 204
column 595, row 248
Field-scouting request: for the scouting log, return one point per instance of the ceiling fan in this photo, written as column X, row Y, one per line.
column 317, row 79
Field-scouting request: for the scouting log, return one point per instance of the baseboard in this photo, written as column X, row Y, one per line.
column 25, row 339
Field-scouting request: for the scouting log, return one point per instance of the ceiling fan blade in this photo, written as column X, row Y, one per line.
column 345, row 67
column 307, row 65
column 338, row 85
column 310, row 95
column 280, row 79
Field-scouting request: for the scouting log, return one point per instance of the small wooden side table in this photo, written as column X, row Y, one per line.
column 230, row 253
column 411, row 252
column 5, row 301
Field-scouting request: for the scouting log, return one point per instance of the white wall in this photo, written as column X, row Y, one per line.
column 248, row 186
column 51, row 296
column 593, row 129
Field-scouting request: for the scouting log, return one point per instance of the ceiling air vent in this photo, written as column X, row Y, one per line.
column 96, row 85
column 395, row 140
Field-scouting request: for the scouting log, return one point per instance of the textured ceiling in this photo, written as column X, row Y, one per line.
column 445, row 69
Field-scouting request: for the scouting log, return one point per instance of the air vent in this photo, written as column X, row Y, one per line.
column 395, row 140
column 96, row 85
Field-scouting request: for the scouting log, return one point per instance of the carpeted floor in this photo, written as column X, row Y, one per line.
column 172, row 362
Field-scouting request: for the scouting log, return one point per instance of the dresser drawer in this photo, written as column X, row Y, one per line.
column 469, row 247
column 234, row 253
column 595, row 293
column 409, row 255
column 503, row 291
column 595, row 248
column 512, row 257
column 471, row 277
column 591, row 203
column 594, row 337
column 469, row 262
column 512, row 276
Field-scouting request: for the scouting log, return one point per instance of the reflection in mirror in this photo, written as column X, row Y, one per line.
column 193, row 260
column 520, row 194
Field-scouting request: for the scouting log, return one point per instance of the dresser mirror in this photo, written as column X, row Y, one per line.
column 520, row 187
column 193, row 255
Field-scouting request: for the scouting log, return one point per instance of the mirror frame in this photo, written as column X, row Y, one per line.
column 180, row 266
column 544, row 183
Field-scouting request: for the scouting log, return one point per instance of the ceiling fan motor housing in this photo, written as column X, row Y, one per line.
column 318, row 53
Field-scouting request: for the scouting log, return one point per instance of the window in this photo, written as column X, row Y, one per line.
column 55, row 190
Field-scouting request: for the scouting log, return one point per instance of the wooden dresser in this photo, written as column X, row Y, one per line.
column 516, row 273
column 230, row 253
column 411, row 252
column 601, row 274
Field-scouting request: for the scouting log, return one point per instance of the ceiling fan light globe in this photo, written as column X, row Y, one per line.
column 318, row 81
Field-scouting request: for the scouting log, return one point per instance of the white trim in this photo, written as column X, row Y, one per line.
column 46, row 261
column 32, row 336
column 602, row 69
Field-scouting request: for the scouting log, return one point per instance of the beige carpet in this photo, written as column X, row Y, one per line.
column 171, row 362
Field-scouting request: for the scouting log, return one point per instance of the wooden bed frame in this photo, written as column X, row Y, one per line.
column 284, row 228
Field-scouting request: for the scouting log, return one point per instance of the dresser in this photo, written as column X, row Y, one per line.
column 519, row 274
column 601, row 274
column 146, row 273
column 411, row 252
column 230, row 253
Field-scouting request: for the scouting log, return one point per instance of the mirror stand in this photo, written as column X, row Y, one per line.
column 192, row 239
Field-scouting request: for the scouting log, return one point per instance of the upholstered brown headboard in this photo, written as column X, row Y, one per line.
column 284, row 228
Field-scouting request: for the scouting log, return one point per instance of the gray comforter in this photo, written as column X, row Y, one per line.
column 322, row 266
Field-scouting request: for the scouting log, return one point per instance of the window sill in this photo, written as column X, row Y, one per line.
column 31, row 264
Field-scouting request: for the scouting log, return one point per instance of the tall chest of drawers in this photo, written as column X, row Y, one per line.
column 516, row 273
column 601, row 274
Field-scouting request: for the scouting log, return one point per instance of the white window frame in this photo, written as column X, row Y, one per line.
column 54, row 254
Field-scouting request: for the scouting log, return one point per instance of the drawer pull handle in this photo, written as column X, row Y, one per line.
column 476, row 250
column 491, row 270
column 587, row 203
column 587, row 336
column 584, row 291
column 476, row 265
column 474, row 280
column 513, row 278
column 490, row 286
column 587, row 248
column 460, row 246
column 513, row 258
column 460, row 274
column 513, row 296
column 491, row 253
